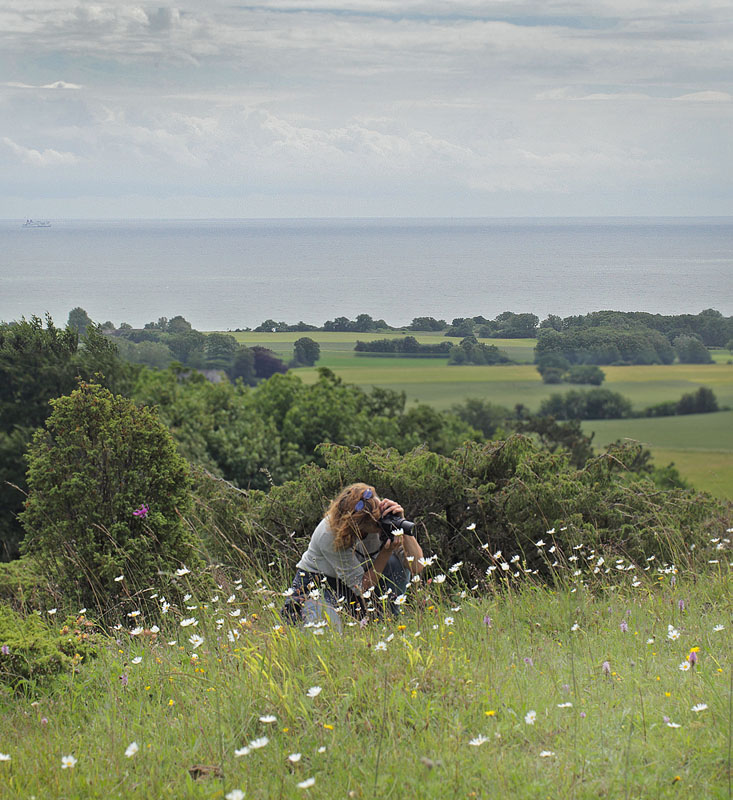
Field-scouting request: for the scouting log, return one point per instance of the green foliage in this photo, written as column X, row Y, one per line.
column 408, row 346
column 483, row 415
column 427, row 324
column 513, row 490
column 306, row 352
column 700, row 402
column 100, row 459
column 471, row 351
column 23, row 585
column 37, row 653
column 554, row 435
column 585, row 373
column 690, row 350
column 37, row 364
column 79, row 321
column 605, row 345
column 590, row 404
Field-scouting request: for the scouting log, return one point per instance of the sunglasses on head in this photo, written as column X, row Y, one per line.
column 366, row 495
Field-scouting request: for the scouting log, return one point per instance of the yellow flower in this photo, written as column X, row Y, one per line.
column 668, row 694
column 401, row 627
column 147, row 688
column 171, row 702
column 694, row 649
column 490, row 713
column 328, row 727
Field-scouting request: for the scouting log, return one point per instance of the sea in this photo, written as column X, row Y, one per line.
column 229, row 274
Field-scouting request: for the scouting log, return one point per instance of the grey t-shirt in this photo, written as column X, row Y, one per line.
column 347, row 565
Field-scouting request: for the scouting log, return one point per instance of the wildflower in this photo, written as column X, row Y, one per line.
column 182, row 571
column 575, row 627
column 530, row 717
column 380, row 646
column 137, row 659
column 235, row 794
column 51, row 611
column 400, row 600
column 471, row 527
column 141, row 512
column 606, row 667
column 120, row 578
column 68, row 762
column 624, row 627
column 294, row 757
column 5, row 650
column 439, row 578
column 137, row 631
column 322, row 749
column 256, row 744
column 243, row 751
column 681, row 604
column 672, row 633
column 190, row 621
column 132, row 748
column 478, row 741
column 307, row 783
column 718, row 628
column 196, row 640
column 504, row 566
column 235, row 613
column 528, row 661
column 269, row 718
column 564, row 705
column 650, row 641
column 699, row 707
column 456, row 566
column 692, row 658
column 449, row 620
column 164, row 607
column 546, row 754
column 673, row 725
column 540, row 543
column 582, row 714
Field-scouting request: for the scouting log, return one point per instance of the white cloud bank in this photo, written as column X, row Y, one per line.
column 300, row 108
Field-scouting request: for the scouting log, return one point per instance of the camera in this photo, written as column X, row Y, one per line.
column 392, row 524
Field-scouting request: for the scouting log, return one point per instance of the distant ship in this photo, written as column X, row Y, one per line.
column 36, row 223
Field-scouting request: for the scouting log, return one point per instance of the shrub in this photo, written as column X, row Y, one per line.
column 33, row 652
column 506, row 495
column 585, row 373
column 23, row 585
column 107, row 493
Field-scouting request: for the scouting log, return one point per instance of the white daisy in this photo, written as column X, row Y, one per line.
column 307, row 783
column 294, row 757
column 235, row 794
column 137, row 659
column 478, row 741
column 68, row 762
column 699, row 707
column 196, row 640
column 530, row 717
column 268, row 719
column 256, row 744
column 132, row 748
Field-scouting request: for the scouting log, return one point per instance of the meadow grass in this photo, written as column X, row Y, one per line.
column 578, row 691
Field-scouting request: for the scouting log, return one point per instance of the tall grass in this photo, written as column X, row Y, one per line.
column 571, row 690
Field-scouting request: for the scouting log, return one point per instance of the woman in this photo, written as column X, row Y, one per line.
column 346, row 559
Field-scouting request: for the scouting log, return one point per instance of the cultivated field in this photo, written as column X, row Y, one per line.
column 701, row 446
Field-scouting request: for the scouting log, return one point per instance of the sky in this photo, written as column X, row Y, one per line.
column 366, row 108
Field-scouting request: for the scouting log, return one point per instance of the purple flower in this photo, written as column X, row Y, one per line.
column 665, row 718
column 5, row 650
column 582, row 714
column 681, row 604
column 123, row 679
column 606, row 667
column 44, row 721
column 565, row 687
column 487, row 621
column 141, row 512
column 692, row 658
column 528, row 661
column 624, row 627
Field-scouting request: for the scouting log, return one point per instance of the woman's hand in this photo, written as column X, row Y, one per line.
column 387, row 506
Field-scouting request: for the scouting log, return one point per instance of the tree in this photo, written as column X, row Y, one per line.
column 107, row 491
column 79, row 321
column 220, row 349
column 585, row 373
column 690, row 350
column 243, row 366
column 703, row 401
column 267, row 363
column 178, row 324
column 306, row 352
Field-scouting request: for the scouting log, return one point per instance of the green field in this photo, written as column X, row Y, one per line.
column 701, row 446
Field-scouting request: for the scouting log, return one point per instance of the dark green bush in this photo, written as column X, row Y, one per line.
column 32, row 653
column 108, row 491
column 512, row 491
column 23, row 585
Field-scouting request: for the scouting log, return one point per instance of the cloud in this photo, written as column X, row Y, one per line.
column 54, row 85
column 706, row 97
column 40, row 158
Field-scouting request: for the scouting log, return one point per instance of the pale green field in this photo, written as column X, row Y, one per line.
column 701, row 446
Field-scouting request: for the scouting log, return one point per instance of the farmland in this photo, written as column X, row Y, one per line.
column 701, row 446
